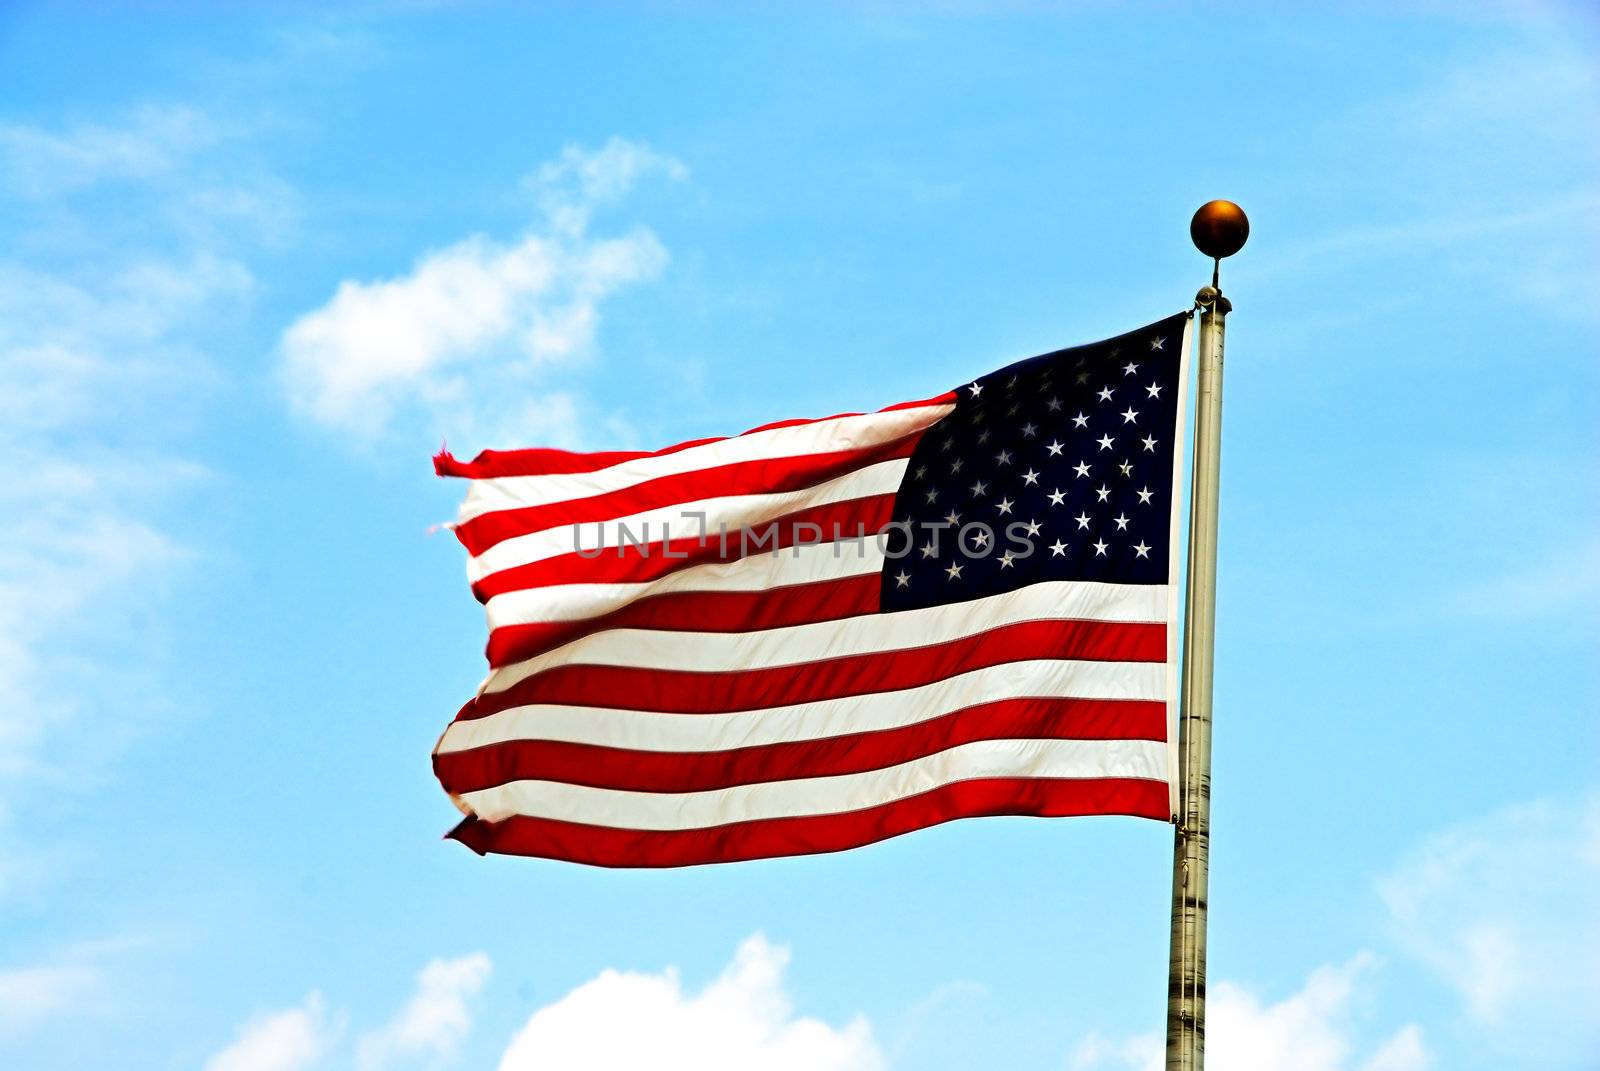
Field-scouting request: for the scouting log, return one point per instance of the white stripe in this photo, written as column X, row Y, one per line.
column 1174, row 559
column 721, row 652
column 686, row 520
column 759, row 572
column 821, row 795
column 818, row 437
column 644, row 730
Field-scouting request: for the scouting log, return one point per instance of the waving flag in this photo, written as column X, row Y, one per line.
column 823, row 633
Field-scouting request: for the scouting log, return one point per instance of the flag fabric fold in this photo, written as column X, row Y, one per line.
column 822, row 633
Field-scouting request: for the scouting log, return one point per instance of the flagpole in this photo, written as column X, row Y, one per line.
column 1219, row 229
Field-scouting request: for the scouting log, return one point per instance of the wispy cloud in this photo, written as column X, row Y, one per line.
column 66, row 984
column 150, row 141
column 1313, row 1029
column 424, row 1032
column 33, row 994
column 1474, row 173
column 1504, row 909
column 1554, row 582
column 104, row 315
column 1524, row 564
column 81, row 533
column 290, row 1040
column 444, row 346
column 434, row 1021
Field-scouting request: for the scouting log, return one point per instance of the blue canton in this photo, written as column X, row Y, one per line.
column 1059, row 467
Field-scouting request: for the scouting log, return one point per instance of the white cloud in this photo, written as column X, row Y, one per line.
column 1311, row 1030
column 425, row 1031
column 470, row 325
column 1506, row 910
column 1139, row 1052
column 742, row 1020
column 435, row 1020
column 288, row 1040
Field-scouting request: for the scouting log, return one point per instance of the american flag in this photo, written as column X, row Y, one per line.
column 822, row 633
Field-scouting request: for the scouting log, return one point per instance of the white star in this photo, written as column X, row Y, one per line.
column 1005, row 560
column 1011, row 383
column 1106, row 393
column 1030, row 478
column 922, row 470
column 975, row 388
column 1141, row 550
column 1030, row 430
column 1082, row 519
column 1081, row 468
column 1129, row 415
column 1082, row 377
column 1080, row 421
column 953, row 517
column 1058, row 548
column 1004, row 505
column 1054, row 405
column 1014, row 410
column 1150, row 443
column 1099, row 548
column 1003, row 457
column 1130, row 369
column 933, row 494
column 1105, row 442
column 983, row 436
column 1122, row 521
column 1154, row 390
column 1057, row 497
column 1155, row 343
column 979, row 488
column 946, row 444
column 1104, row 492
column 1127, row 468
column 1032, row 527
column 955, row 466
column 928, row 551
column 954, row 572
column 1054, row 446
column 1144, row 497
column 902, row 580
column 981, row 540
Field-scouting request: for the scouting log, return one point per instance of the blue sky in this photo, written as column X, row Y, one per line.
column 228, row 640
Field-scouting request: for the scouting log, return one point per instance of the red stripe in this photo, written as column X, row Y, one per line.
column 493, row 464
column 692, row 692
column 774, row 475
column 699, row 611
column 631, row 564
column 1033, row 718
column 768, row 838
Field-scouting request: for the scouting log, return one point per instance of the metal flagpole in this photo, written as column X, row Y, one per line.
column 1219, row 229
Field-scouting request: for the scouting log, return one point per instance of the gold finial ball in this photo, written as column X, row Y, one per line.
column 1219, row 229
